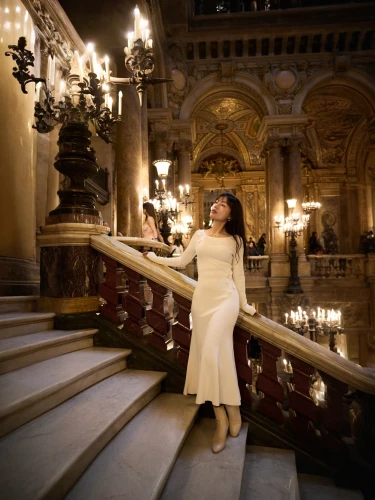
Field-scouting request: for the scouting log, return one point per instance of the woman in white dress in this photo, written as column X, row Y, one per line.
column 219, row 294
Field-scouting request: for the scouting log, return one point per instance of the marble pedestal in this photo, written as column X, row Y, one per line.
column 70, row 270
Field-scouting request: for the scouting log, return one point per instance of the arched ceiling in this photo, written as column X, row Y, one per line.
column 237, row 118
column 336, row 115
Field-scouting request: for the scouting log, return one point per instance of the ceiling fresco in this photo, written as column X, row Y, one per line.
column 238, row 123
column 335, row 119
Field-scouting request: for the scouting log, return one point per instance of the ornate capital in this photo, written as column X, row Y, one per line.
column 160, row 136
column 183, row 145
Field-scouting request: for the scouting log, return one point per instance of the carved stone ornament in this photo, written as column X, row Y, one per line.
column 288, row 301
column 283, row 82
column 54, row 40
column 219, row 167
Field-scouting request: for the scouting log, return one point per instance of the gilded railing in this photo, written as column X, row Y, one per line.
column 321, row 397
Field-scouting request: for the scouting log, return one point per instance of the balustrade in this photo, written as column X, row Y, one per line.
column 338, row 266
column 311, row 403
column 258, row 264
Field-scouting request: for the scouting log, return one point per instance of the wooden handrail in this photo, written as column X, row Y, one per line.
column 353, row 375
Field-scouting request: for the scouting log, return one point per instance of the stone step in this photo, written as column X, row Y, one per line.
column 15, row 324
column 137, row 462
column 269, row 473
column 23, row 303
column 25, row 350
column 313, row 487
column 45, row 457
column 33, row 390
column 200, row 474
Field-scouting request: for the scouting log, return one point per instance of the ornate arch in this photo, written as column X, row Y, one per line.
column 246, row 88
column 353, row 79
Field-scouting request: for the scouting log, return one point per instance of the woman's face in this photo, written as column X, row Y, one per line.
column 251, row 244
column 220, row 210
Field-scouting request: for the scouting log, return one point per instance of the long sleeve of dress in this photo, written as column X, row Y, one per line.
column 181, row 261
column 239, row 281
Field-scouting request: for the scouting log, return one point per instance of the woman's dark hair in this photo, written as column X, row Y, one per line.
column 150, row 210
column 177, row 242
column 235, row 225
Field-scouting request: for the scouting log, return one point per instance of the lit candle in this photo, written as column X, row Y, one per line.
column 53, row 70
column 106, row 62
column 80, row 66
column 62, row 88
column 110, row 101
column 120, row 103
column 130, row 40
column 90, row 49
column 339, row 313
column 163, row 182
column 137, row 19
column 157, row 184
column 181, row 191
column 93, row 60
column 37, row 91
column 149, row 43
column 187, row 189
column 286, row 319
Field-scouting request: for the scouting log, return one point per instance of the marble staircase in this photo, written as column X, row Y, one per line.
column 76, row 423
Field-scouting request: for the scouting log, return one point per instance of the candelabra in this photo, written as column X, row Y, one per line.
column 84, row 98
column 292, row 227
column 185, row 195
column 320, row 322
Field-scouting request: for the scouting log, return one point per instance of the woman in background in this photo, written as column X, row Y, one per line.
column 219, row 294
column 150, row 227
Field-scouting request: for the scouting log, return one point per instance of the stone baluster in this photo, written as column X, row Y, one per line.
column 334, row 413
column 135, row 304
column 301, row 403
column 181, row 332
column 268, row 383
column 112, row 291
column 159, row 316
column 244, row 371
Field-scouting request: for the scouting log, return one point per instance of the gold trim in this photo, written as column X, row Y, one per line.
column 68, row 306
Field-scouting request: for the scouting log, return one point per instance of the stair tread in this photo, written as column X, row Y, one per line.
column 136, row 463
column 324, row 488
column 27, row 385
column 35, row 456
column 18, row 298
column 20, row 318
column 29, row 342
column 200, row 474
column 269, row 473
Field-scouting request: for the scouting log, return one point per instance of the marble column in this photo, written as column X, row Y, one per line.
column 276, row 206
column 295, row 190
column 129, row 167
column 19, row 274
column 183, row 149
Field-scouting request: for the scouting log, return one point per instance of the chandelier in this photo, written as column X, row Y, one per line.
column 292, row 226
column 316, row 322
column 165, row 204
column 309, row 206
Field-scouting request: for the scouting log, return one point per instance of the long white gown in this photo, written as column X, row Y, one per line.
column 220, row 291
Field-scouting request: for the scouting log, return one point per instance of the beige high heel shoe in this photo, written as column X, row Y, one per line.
column 219, row 439
column 235, row 421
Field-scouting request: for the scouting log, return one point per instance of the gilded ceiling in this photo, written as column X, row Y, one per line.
column 335, row 119
column 226, row 125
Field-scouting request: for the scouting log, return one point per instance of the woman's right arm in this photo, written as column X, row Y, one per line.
column 181, row 261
